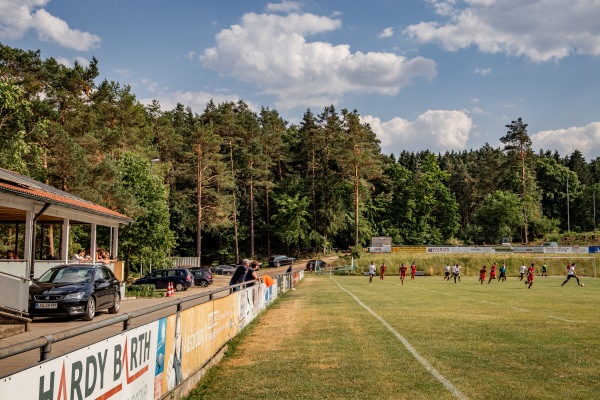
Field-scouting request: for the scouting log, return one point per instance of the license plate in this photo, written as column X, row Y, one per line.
column 46, row 305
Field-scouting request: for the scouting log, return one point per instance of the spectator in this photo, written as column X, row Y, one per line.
column 79, row 256
column 251, row 274
column 239, row 274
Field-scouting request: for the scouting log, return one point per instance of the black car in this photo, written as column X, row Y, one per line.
column 278, row 261
column 74, row 290
column 312, row 264
column 181, row 278
column 225, row 269
column 202, row 276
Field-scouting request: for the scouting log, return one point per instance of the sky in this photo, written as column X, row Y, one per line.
column 437, row 75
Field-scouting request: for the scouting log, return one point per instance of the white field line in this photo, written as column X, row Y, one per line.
column 449, row 386
column 560, row 319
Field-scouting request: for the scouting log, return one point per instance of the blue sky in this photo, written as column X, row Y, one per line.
column 425, row 74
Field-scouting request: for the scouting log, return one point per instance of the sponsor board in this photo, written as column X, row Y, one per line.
column 566, row 250
column 380, row 249
column 121, row 367
column 440, row 249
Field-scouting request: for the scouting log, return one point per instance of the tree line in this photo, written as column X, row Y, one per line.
column 229, row 182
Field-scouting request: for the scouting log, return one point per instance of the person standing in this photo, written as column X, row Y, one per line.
column 530, row 274
column 544, row 270
column 382, row 268
column 251, row 274
column 482, row 272
column 522, row 270
column 413, row 271
column 403, row 269
column 502, row 273
column 239, row 275
column 372, row 269
column 571, row 274
column 447, row 272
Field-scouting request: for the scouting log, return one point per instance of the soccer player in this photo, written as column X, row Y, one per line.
column 372, row 269
column 493, row 272
column 447, row 272
column 413, row 271
column 382, row 268
column 403, row 269
column 544, row 270
column 530, row 274
column 571, row 274
column 482, row 272
column 522, row 270
column 502, row 273
column 456, row 272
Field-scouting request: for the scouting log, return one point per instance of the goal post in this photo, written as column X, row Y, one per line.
column 585, row 265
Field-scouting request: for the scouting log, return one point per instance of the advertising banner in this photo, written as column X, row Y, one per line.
column 380, row 249
column 121, row 367
column 565, row 250
column 441, row 250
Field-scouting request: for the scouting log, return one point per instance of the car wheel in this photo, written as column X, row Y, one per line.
column 116, row 305
column 90, row 309
column 203, row 283
column 179, row 287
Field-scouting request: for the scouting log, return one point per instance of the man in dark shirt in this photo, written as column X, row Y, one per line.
column 239, row 274
column 251, row 273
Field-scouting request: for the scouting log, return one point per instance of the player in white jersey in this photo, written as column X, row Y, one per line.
column 372, row 269
column 522, row 270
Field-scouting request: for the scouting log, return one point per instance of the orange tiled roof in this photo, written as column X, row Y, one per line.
column 26, row 187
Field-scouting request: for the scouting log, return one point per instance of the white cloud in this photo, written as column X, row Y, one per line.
column 190, row 55
column 541, row 30
column 84, row 62
column 483, row 71
column 17, row 17
column 386, row 33
column 585, row 139
column 272, row 52
column 285, row 6
column 435, row 130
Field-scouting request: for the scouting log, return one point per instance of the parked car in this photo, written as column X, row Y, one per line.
column 224, row 269
column 181, row 278
column 74, row 290
column 312, row 264
column 279, row 260
column 202, row 276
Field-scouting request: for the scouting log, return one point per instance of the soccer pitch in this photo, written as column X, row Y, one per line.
column 339, row 337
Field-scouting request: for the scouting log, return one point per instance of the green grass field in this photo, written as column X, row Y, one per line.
column 427, row 339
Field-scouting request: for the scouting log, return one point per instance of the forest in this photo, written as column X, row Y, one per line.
column 229, row 182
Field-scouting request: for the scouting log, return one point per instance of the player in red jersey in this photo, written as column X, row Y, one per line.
column 482, row 272
column 493, row 272
column 413, row 271
column 403, row 269
column 530, row 274
column 382, row 268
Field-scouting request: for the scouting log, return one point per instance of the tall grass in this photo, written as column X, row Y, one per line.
column 433, row 264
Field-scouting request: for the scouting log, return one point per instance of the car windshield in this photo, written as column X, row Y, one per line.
column 67, row 275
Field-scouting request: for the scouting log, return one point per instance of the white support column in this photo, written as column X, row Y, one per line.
column 28, row 245
column 66, row 232
column 115, row 243
column 93, row 243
